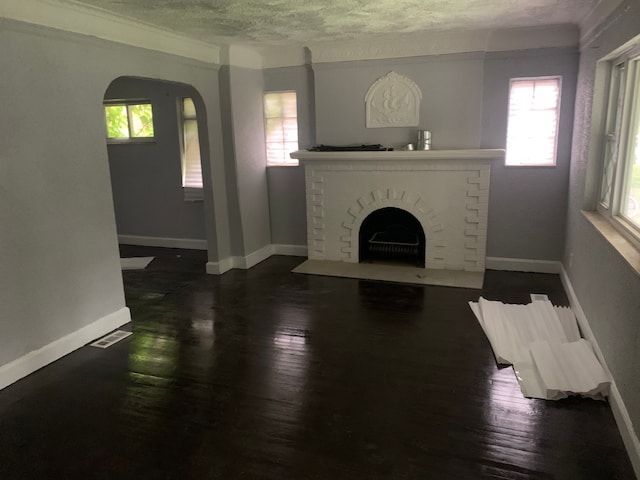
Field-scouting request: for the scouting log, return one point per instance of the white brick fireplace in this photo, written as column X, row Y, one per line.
column 447, row 191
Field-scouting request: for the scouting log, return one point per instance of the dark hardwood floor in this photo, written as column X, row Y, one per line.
column 265, row 374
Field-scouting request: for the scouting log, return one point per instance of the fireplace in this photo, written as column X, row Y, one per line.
column 362, row 206
column 392, row 235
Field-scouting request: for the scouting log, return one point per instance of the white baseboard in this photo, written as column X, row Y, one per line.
column 218, row 268
column 244, row 263
column 522, row 265
column 187, row 243
column 253, row 258
column 620, row 413
column 291, row 250
column 32, row 361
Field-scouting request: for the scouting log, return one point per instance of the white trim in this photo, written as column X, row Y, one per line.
column 443, row 42
column 284, row 55
column 186, row 243
column 32, row 361
column 523, row 265
column 218, row 268
column 244, row 57
column 591, row 23
column 244, row 263
column 291, row 250
column 620, row 413
column 96, row 22
column 253, row 258
column 417, row 155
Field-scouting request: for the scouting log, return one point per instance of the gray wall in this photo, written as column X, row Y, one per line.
column 527, row 205
column 233, row 203
column 287, row 206
column 146, row 178
column 451, row 104
column 464, row 104
column 58, row 247
column 607, row 288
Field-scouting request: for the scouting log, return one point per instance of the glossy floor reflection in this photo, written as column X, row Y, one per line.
column 266, row 374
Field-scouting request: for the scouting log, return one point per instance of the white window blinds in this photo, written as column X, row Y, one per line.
column 191, row 166
column 532, row 128
column 281, row 125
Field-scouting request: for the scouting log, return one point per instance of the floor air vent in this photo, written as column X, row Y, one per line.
column 110, row 339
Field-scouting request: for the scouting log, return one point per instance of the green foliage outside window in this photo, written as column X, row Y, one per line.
column 129, row 121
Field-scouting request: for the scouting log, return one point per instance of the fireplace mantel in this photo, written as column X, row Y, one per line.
column 412, row 155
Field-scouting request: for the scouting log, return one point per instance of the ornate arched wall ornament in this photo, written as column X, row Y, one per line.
column 393, row 101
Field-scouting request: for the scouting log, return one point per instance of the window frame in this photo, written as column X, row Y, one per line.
column 626, row 65
column 558, row 110
column 286, row 162
column 127, row 103
column 191, row 193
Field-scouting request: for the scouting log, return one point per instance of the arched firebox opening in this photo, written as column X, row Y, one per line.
column 392, row 235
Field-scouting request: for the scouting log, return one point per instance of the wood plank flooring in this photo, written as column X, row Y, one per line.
column 266, row 374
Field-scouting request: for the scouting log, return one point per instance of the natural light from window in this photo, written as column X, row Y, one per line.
column 619, row 199
column 281, row 125
column 128, row 120
column 191, row 164
column 532, row 128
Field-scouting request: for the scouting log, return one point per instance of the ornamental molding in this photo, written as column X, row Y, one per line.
column 393, row 101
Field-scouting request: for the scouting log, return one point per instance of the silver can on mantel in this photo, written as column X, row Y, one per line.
column 424, row 140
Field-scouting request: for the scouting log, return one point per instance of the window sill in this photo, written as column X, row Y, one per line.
column 128, row 141
column 530, row 165
column 279, row 165
column 627, row 250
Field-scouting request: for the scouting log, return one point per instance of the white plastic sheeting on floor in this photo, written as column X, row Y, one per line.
column 135, row 263
column 543, row 344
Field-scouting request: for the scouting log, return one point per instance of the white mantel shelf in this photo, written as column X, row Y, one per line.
column 469, row 154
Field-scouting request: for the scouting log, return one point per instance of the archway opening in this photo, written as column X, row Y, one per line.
column 154, row 207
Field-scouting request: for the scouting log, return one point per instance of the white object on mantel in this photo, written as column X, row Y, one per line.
column 393, row 101
column 447, row 191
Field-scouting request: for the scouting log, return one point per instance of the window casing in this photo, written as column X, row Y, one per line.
column 129, row 121
column 533, row 118
column 619, row 196
column 190, row 151
column 281, row 127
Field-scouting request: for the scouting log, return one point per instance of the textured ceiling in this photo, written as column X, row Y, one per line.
column 277, row 22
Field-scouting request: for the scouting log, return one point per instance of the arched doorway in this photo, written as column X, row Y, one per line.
column 151, row 203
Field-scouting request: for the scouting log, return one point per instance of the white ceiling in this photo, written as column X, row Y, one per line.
column 300, row 22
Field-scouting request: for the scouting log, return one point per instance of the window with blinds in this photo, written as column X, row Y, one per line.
column 191, row 166
column 532, row 128
column 281, row 127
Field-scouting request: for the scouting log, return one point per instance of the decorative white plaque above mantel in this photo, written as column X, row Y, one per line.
column 393, row 101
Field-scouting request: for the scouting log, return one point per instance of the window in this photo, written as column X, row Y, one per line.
column 281, row 124
column 129, row 121
column 190, row 146
column 619, row 198
column 532, row 128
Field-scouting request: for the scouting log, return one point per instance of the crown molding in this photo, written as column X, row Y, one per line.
column 446, row 42
column 590, row 24
column 241, row 56
column 285, row 56
column 76, row 18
